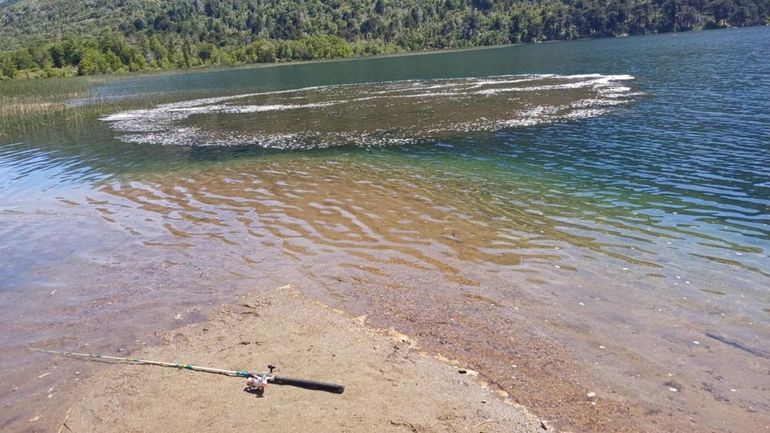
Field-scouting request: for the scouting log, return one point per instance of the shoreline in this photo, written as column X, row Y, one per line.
column 547, row 356
column 390, row 384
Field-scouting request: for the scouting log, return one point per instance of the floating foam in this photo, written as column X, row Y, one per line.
column 388, row 113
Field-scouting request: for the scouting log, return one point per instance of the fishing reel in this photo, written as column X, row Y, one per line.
column 256, row 383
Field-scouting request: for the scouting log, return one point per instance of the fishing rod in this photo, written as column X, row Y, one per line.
column 255, row 381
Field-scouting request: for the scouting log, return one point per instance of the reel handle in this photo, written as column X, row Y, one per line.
column 307, row 384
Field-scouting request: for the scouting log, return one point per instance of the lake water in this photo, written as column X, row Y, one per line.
column 589, row 216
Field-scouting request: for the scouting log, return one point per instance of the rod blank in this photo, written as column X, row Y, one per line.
column 278, row 380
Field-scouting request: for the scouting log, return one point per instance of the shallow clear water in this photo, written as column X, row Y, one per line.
column 618, row 188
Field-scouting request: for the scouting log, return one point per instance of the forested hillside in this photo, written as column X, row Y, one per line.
column 55, row 37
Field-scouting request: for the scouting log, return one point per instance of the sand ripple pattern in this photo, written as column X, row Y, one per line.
column 374, row 114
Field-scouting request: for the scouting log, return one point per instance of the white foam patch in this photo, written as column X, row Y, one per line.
column 388, row 113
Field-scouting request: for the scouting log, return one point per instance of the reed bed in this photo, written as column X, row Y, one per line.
column 28, row 105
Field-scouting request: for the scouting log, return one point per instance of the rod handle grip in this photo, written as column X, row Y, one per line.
column 307, row 384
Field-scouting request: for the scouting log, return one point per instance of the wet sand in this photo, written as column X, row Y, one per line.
column 390, row 384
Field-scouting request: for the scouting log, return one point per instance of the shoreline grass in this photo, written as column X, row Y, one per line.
column 27, row 105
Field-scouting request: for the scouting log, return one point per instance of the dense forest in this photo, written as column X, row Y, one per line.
column 86, row 37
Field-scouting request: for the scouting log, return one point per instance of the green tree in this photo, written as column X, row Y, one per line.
column 57, row 55
column 8, row 67
column 93, row 63
column 23, row 59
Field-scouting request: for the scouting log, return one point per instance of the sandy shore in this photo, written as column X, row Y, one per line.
column 390, row 385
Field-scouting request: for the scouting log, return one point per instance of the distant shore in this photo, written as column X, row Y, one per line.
column 71, row 72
